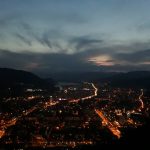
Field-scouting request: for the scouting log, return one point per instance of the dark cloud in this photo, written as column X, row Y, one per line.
column 46, row 41
column 126, row 68
column 43, row 39
column 24, row 39
column 134, row 57
column 47, row 63
column 80, row 43
column 85, row 42
column 44, row 63
column 13, row 59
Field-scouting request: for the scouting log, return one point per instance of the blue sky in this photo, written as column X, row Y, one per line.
column 98, row 30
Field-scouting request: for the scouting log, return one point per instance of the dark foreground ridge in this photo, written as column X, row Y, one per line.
column 17, row 80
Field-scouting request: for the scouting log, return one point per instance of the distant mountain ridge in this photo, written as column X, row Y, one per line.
column 12, row 77
column 139, row 79
column 136, row 79
column 80, row 76
column 18, row 80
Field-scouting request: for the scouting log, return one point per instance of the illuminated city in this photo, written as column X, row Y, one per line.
column 75, row 115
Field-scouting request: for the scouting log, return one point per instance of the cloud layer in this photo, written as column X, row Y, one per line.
column 44, row 64
column 50, row 36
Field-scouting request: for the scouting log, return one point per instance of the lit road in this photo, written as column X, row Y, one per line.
column 95, row 92
column 95, row 88
column 109, row 125
column 140, row 99
column 2, row 132
column 87, row 97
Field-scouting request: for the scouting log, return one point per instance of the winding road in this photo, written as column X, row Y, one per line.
column 140, row 99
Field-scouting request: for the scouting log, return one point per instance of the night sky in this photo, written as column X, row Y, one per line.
column 45, row 36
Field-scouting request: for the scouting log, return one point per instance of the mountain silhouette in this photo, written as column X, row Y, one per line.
column 18, row 80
